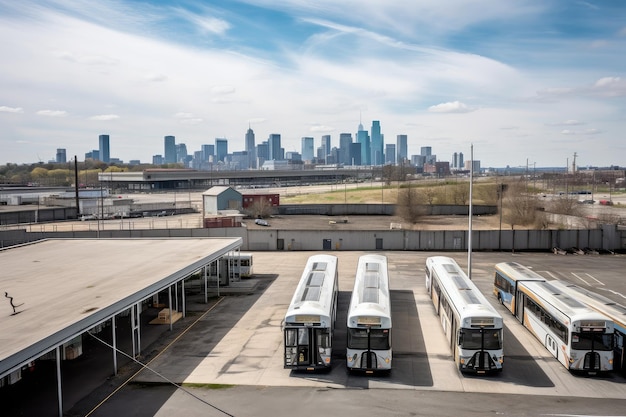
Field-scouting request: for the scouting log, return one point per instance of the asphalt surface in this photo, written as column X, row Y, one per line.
column 228, row 355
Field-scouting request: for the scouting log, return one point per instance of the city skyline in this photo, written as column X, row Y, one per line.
column 521, row 81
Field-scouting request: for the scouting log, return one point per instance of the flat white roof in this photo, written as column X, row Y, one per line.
column 63, row 287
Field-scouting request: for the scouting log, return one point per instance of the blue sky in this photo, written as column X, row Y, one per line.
column 522, row 81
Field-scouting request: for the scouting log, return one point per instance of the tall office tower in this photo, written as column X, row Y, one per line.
column 105, row 155
column 355, row 154
column 181, row 152
column 251, row 148
column 402, row 148
column 461, row 162
column 455, row 161
column 221, row 149
column 426, row 151
column 345, row 139
column 308, row 149
column 363, row 138
column 170, row 150
column 390, row 153
column 326, row 147
column 262, row 152
column 207, row 152
column 377, row 148
column 275, row 150
column 61, row 157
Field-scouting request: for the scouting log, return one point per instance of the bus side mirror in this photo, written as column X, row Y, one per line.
column 460, row 338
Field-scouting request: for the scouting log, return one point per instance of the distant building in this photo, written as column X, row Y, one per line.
column 402, row 148
column 251, row 148
column 275, row 150
column 170, row 149
column 390, row 153
column 473, row 165
column 220, row 198
column 378, row 156
column 355, row 154
column 134, row 162
column 181, row 153
column 105, row 154
column 157, row 160
column 363, row 138
column 221, row 149
column 308, row 149
column 343, row 156
column 61, row 157
column 326, row 147
column 438, row 168
column 272, row 200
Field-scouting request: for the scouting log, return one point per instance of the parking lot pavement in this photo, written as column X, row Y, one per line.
column 250, row 351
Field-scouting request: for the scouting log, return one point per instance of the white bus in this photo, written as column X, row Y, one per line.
column 609, row 308
column 369, row 317
column 310, row 319
column 473, row 328
column 580, row 338
column 241, row 264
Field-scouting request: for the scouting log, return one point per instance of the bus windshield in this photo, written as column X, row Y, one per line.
column 481, row 339
column 589, row 341
column 378, row 340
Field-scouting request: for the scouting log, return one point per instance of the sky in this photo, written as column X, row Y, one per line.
column 516, row 82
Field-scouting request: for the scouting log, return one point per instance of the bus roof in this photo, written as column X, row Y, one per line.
column 464, row 294
column 598, row 302
column 370, row 296
column 518, row 272
column 561, row 300
column 314, row 293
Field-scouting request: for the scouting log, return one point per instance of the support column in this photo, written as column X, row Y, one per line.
column 114, row 340
column 59, row 389
column 169, row 295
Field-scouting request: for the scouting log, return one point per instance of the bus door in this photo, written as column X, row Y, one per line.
column 519, row 306
column 552, row 346
column 304, row 342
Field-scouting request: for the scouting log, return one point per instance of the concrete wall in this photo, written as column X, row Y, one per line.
column 608, row 237
column 380, row 209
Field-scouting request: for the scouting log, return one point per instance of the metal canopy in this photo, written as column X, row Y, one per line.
column 62, row 287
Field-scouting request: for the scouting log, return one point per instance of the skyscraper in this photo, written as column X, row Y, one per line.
column 170, row 150
column 402, row 148
column 221, row 149
column 207, row 152
column 345, row 139
column 390, row 153
column 251, row 148
column 364, row 139
column 61, row 157
column 326, row 147
column 275, row 149
column 105, row 155
column 308, row 149
column 377, row 149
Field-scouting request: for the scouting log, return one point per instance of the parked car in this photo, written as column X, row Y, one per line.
column 261, row 222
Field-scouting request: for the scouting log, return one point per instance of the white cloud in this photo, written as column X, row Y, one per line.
column 6, row 109
column 52, row 113
column 205, row 24
column 105, row 117
column 451, row 107
column 321, row 128
column 570, row 122
column 223, row 89
column 155, row 77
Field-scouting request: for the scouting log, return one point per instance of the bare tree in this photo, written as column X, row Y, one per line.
column 260, row 209
column 409, row 205
column 565, row 204
column 519, row 206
